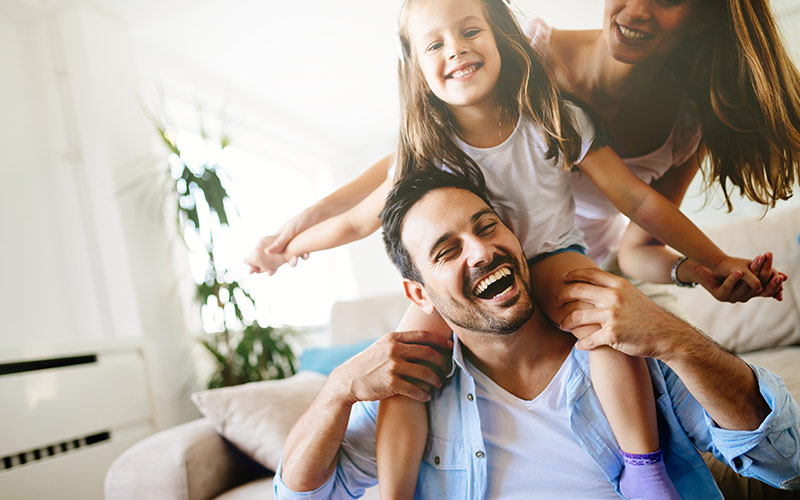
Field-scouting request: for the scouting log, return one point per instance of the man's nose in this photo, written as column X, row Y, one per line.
column 478, row 252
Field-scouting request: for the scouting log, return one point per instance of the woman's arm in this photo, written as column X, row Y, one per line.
column 344, row 198
column 658, row 216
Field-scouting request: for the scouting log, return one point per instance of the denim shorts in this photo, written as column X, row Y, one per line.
column 572, row 248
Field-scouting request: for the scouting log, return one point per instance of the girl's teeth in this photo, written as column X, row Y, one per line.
column 633, row 35
column 464, row 72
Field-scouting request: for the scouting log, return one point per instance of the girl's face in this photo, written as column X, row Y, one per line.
column 456, row 50
column 641, row 30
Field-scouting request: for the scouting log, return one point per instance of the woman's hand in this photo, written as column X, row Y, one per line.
column 731, row 287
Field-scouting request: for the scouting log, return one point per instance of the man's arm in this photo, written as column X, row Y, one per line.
column 724, row 385
column 401, row 363
column 752, row 421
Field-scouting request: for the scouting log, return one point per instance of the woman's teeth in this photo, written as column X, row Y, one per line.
column 631, row 34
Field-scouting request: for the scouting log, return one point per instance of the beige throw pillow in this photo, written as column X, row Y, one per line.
column 258, row 416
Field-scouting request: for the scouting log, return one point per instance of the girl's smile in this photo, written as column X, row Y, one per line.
column 456, row 51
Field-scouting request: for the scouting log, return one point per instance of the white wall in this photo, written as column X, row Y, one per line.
column 89, row 266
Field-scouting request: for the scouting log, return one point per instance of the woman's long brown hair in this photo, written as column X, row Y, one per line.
column 748, row 95
column 524, row 86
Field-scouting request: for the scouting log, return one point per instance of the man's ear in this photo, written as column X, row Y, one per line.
column 416, row 294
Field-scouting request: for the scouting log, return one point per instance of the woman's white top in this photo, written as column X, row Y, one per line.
column 600, row 221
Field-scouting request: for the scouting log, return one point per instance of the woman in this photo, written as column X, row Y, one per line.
column 676, row 82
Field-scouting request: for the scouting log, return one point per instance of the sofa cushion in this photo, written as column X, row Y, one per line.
column 760, row 323
column 324, row 359
column 258, row 416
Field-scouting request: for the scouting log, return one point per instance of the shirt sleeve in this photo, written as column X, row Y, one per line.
column 356, row 469
column 770, row 453
column 584, row 124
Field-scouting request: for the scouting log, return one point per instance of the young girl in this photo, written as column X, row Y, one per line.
column 467, row 64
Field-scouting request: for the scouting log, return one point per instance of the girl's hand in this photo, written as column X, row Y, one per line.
column 289, row 230
column 262, row 262
column 732, row 288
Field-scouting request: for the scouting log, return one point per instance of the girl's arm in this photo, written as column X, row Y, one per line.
column 344, row 198
column 659, row 217
column 352, row 225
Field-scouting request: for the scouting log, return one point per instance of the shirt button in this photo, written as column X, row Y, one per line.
column 436, row 460
column 479, row 454
column 737, row 462
column 469, row 397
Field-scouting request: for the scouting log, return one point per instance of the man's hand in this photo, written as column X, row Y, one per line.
column 400, row 363
column 629, row 321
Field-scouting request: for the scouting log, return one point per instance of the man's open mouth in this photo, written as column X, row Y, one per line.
column 463, row 71
column 495, row 284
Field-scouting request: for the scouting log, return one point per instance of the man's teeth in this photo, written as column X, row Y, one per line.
column 485, row 282
column 461, row 73
column 632, row 34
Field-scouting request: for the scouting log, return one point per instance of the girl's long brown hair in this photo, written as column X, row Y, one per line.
column 524, row 86
column 748, row 95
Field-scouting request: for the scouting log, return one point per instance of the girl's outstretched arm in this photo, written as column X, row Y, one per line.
column 344, row 198
column 659, row 217
column 352, row 225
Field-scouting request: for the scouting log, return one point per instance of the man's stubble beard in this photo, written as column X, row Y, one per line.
column 471, row 316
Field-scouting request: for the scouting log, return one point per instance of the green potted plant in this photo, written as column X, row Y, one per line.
column 243, row 350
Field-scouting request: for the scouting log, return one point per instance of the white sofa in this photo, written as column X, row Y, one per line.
column 193, row 462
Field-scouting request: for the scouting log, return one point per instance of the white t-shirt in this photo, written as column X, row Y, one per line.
column 599, row 220
column 531, row 451
column 531, row 194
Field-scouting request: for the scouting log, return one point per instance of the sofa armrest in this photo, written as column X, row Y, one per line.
column 187, row 462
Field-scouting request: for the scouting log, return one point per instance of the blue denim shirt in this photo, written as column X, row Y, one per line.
column 454, row 462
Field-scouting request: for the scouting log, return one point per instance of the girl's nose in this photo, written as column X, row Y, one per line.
column 458, row 52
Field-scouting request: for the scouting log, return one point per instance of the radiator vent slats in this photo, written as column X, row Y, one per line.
column 45, row 364
column 25, row 457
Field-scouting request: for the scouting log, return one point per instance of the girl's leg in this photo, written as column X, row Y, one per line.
column 622, row 383
column 403, row 425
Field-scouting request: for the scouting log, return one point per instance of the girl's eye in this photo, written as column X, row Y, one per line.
column 434, row 46
column 471, row 33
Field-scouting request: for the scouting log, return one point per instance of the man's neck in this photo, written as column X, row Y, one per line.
column 524, row 362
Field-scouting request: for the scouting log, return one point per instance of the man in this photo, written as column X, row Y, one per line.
column 518, row 417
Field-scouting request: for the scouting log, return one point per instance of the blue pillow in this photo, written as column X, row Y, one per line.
column 324, row 359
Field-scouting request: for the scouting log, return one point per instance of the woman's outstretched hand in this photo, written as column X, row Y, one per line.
column 732, row 287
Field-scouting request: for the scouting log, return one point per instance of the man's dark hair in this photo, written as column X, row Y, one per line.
column 405, row 194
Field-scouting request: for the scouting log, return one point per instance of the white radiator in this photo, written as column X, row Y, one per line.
column 64, row 418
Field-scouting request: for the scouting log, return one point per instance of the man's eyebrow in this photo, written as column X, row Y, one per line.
column 481, row 213
column 446, row 236
column 460, row 21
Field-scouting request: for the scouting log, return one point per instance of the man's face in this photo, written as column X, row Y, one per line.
column 474, row 271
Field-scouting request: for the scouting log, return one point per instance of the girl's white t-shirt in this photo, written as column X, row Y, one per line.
column 531, row 451
column 531, row 194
